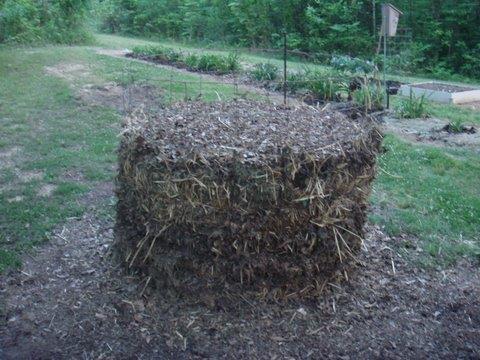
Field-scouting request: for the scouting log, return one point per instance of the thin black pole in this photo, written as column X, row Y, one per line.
column 285, row 68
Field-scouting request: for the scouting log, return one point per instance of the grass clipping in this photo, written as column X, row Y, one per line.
column 243, row 196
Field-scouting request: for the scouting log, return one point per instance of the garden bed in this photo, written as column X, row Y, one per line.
column 443, row 93
column 311, row 87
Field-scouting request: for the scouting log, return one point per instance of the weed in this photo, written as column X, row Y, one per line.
column 456, row 126
column 413, row 107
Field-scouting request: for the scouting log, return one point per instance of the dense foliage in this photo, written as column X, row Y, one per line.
column 40, row 21
column 441, row 36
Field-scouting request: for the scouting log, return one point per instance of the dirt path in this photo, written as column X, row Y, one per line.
column 429, row 131
column 71, row 301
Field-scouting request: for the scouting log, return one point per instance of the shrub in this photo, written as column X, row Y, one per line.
column 19, row 22
column 409, row 60
column 353, row 65
column 413, row 107
column 30, row 21
column 264, row 72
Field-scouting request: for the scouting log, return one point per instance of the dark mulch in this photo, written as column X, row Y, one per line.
column 458, row 130
column 70, row 301
column 250, row 129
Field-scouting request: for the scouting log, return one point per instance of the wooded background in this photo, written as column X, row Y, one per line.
column 436, row 36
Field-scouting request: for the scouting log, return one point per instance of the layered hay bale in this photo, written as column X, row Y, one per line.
column 243, row 195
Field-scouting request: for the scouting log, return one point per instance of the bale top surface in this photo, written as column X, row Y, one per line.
column 249, row 129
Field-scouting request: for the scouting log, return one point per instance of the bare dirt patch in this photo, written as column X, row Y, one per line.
column 122, row 98
column 46, row 190
column 68, row 71
column 27, row 176
column 16, row 199
column 430, row 131
column 73, row 175
column 70, row 300
column 119, row 97
column 6, row 157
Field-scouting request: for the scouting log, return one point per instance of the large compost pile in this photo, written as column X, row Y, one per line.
column 244, row 196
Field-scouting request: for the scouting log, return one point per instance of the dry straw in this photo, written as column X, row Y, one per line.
column 242, row 196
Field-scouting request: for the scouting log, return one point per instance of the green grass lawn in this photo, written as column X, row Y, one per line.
column 47, row 134
column 432, row 194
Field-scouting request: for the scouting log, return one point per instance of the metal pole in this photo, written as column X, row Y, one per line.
column 385, row 27
column 285, row 68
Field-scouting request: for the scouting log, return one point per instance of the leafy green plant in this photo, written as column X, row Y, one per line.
column 370, row 96
column 264, row 72
column 159, row 53
column 53, row 21
column 191, row 61
column 148, row 50
column 212, row 62
column 296, row 81
column 173, row 56
column 413, row 107
column 325, row 88
column 233, row 62
column 205, row 62
column 456, row 126
column 353, row 65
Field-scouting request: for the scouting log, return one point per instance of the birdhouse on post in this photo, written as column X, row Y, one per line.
column 391, row 17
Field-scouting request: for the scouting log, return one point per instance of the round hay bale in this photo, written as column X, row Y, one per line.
column 243, row 195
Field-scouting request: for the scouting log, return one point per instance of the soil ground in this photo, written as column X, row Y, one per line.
column 444, row 87
column 71, row 300
column 430, row 131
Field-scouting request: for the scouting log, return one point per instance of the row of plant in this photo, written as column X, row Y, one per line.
column 321, row 86
column 219, row 64
column 335, row 85
column 350, row 80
